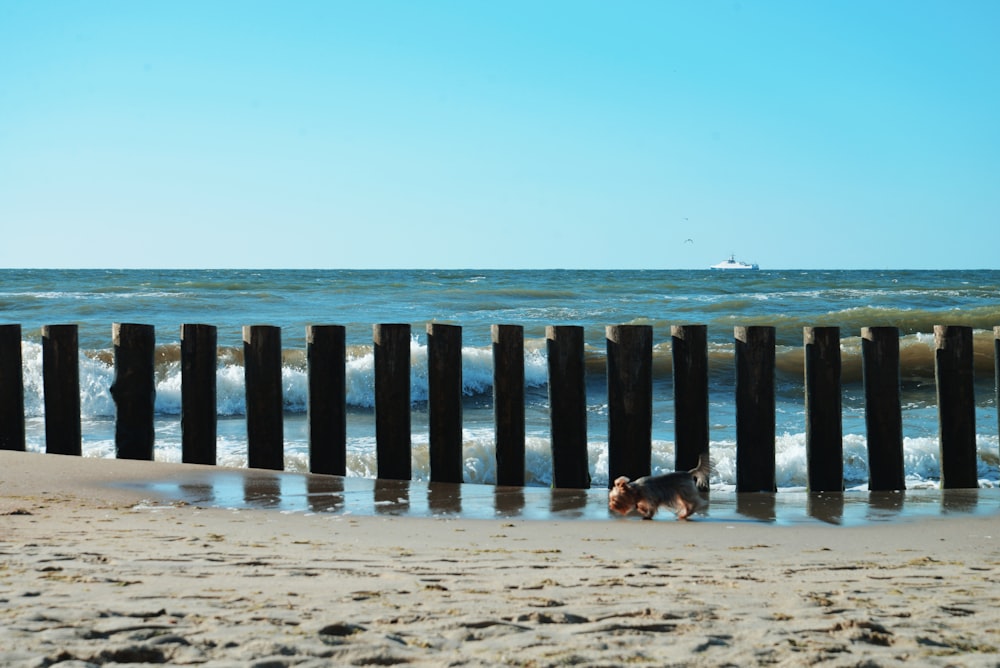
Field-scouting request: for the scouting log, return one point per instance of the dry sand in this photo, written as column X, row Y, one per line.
column 94, row 574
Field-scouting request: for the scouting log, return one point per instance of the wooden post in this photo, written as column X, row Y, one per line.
column 568, row 401
column 630, row 401
column 883, row 408
column 508, row 403
column 755, row 409
column 823, row 404
column 11, row 389
column 392, row 401
column 690, row 362
column 956, row 399
column 61, row 381
column 134, row 390
column 444, row 401
column 265, row 407
column 326, row 353
column 996, row 372
column 199, row 419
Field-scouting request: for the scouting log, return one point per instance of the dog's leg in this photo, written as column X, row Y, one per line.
column 647, row 510
column 683, row 507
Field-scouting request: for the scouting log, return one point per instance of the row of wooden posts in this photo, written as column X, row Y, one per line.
column 629, row 382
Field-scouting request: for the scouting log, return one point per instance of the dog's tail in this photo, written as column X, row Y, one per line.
column 702, row 471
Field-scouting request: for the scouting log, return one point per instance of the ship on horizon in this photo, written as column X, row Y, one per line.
column 733, row 263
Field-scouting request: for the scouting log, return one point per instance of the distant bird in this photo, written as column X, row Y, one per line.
column 689, row 241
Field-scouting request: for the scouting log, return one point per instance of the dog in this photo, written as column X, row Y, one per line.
column 678, row 491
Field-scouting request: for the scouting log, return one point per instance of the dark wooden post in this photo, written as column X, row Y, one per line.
column 630, row 401
column 392, row 401
column 996, row 372
column 444, row 401
column 11, row 389
column 199, row 419
column 883, row 407
column 690, row 362
column 134, row 390
column 823, row 404
column 326, row 353
column 265, row 407
column 755, row 407
column 508, row 403
column 61, row 381
column 956, row 399
column 568, row 402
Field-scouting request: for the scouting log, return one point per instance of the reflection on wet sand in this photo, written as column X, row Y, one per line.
column 508, row 501
column 569, row 502
column 325, row 494
column 759, row 506
column 961, row 501
column 296, row 492
column 827, row 507
column 885, row 505
column 392, row 497
column 444, row 498
column 198, row 493
column 262, row 490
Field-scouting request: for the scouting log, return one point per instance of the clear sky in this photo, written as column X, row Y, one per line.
column 515, row 134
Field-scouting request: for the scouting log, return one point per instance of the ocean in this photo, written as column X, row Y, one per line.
column 913, row 301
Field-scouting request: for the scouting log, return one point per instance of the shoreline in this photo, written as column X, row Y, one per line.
column 98, row 569
column 241, row 488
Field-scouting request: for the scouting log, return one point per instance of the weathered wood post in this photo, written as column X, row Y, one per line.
column 12, row 435
column 61, row 386
column 690, row 372
column 996, row 372
column 954, row 373
column 265, row 407
column 444, row 401
column 508, row 402
column 883, row 408
column 392, row 401
column 326, row 355
column 630, row 401
column 755, row 409
column 823, row 404
column 568, row 402
column 199, row 419
column 134, row 390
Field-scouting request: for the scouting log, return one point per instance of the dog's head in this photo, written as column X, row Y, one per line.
column 622, row 498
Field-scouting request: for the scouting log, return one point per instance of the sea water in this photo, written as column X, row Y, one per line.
column 913, row 301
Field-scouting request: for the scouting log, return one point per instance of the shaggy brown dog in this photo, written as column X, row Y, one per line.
column 678, row 491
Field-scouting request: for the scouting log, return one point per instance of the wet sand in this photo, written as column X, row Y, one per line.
column 112, row 562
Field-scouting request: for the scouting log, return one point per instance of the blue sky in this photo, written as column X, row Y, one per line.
column 509, row 134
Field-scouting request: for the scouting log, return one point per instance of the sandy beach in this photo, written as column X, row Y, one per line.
column 98, row 573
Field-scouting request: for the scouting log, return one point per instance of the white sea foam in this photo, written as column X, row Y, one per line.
column 920, row 459
column 96, row 378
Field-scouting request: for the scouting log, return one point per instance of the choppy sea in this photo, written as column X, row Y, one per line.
column 913, row 301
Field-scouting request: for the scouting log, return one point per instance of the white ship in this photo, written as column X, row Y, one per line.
column 733, row 263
